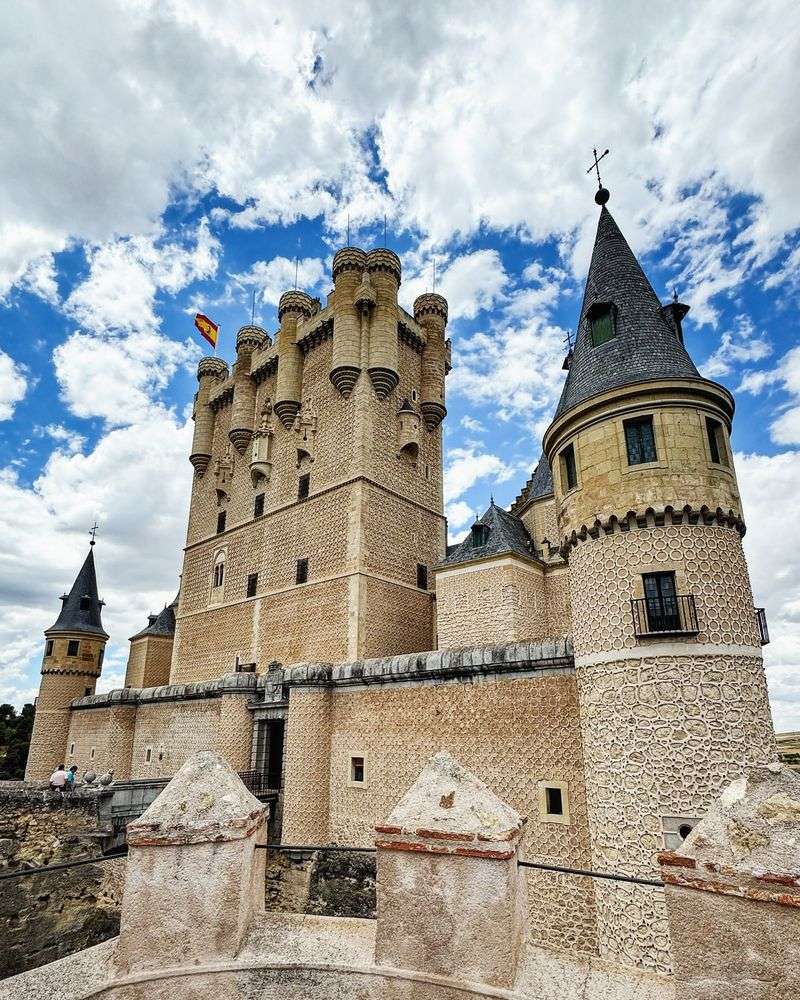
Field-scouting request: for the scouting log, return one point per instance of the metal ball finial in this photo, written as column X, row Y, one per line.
column 602, row 195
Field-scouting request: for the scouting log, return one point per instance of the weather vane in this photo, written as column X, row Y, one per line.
column 602, row 195
column 93, row 532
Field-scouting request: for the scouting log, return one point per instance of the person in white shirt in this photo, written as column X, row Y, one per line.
column 58, row 778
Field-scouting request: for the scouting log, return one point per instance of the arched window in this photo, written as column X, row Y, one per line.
column 219, row 570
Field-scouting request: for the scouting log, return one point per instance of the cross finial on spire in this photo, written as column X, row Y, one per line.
column 602, row 195
column 93, row 531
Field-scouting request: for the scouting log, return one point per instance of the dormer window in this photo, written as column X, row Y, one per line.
column 86, row 604
column 602, row 322
column 480, row 535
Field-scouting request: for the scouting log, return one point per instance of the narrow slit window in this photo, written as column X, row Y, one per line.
column 569, row 470
column 303, row 486
column 148, row 755
column 602, row 323
column 221, row 518
column 716, row 442
column 640, row 441
column 72, row 749
column 252, row 584
column 301, row 573
column 422, row 576
column 91, row 754
column 258, row 505
column 100, row 657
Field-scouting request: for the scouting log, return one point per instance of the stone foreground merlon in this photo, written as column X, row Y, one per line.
column 452, row 807
column 205, row 801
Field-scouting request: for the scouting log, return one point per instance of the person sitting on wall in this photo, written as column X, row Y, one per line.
column 71, row 777
column 58, row 778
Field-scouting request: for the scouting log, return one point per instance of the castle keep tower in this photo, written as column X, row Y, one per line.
column 73, row 658
column 673, row 700
column 317, row 510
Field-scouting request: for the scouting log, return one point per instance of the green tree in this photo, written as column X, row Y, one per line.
column 15, row 737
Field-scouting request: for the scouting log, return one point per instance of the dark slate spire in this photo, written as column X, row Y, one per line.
column 646, row 345
column 80, row 609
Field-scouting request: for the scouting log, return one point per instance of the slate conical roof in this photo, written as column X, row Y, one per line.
column 645, row 347
column 80, row 609
column 162, row 624
column 507, row 533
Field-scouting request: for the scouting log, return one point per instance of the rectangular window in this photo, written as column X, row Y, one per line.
column 422, row 576
column 258, row 505
column 716, row 442
column 221, row 517
column 640, row 440
column 86, row 604
column 148, row 755
column 87, row 691
column 252, row 584
column 601, row 323
column 554, row 802
column 100, row 656
column 479, row 535
column 301, row 576
column 303, row 485
column 661, row 602
column 356, row 770
column 48, row 648
column 72, row 647
column 569, row 472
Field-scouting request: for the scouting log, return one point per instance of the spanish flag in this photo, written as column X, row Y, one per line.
column 208, row 330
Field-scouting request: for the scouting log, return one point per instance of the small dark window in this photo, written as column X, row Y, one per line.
column 602, row 323
column 479, row 535
column 569, row 472
column 100, row 656
column 357, row 770
column 221, row 517
column 640, row 440
column 87, row 691
column 72, row 647
column 301, row 576
column 303, row 485
column 252, row 584
column 148, row 755
column 48, row 648
column 684, row 830
column 422, row 576
column 554, row 801
column 716, row 442
column 219, row 573
column 86, row 604
column 258, row 505
column 661, row 602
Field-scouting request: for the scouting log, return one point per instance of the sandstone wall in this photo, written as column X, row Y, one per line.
column 149, row 662
column 101, row 739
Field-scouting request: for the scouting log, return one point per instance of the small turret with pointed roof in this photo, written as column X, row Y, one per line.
column 81, row 607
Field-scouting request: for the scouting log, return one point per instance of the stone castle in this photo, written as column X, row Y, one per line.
column 593, row 654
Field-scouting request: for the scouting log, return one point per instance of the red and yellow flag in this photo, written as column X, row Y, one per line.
column 208, row 330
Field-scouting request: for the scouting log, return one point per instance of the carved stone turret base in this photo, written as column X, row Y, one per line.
column 383, row 381
column 287, row 410
column 433, row 414
column 200, row 463
column 345, row 378
column 240, row 438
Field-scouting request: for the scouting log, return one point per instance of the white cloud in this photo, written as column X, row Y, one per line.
column 772, row 545
column 13, row 385
column 67, row 439
column 458, row 514
column 471, row 424
column 471, row 283
column 136, row 481
column 465, row 466
column 736, row 347
column 786, row 374
column 278, row 275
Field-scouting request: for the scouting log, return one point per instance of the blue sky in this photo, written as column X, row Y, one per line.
column 162, row 158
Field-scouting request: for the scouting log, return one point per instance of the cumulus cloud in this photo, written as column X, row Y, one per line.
column 736, row 347
column 772, row 545
column 466, row 466
column 785, row 429
column 67, row 439
column 271, row 278
column 471, row 283
column 13, row 385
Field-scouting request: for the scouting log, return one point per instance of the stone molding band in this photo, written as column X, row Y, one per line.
column 652, row 518
column 648, row 650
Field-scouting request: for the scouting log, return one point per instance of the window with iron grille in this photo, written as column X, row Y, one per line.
column 569, row 470
column 303, row 486
column 252, row 584
column 221, row 518
column 640, row 440
column 258, row 505
column 301, row 575
column 422, row 576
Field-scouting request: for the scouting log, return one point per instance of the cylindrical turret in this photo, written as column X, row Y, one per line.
column 430, row 311
column 348, row 265
column 208, row 371
column 384, row 269
column 293, row 307
column 248, row 339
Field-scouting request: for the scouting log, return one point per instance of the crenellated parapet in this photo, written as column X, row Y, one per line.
column 249, row 339
column 384, row 270
column 430, row 312
column 293, row 308
column 210, row 371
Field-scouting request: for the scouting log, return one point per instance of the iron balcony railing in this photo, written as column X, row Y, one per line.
column 763, row 629
column 258, row 782
column 664, row 615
